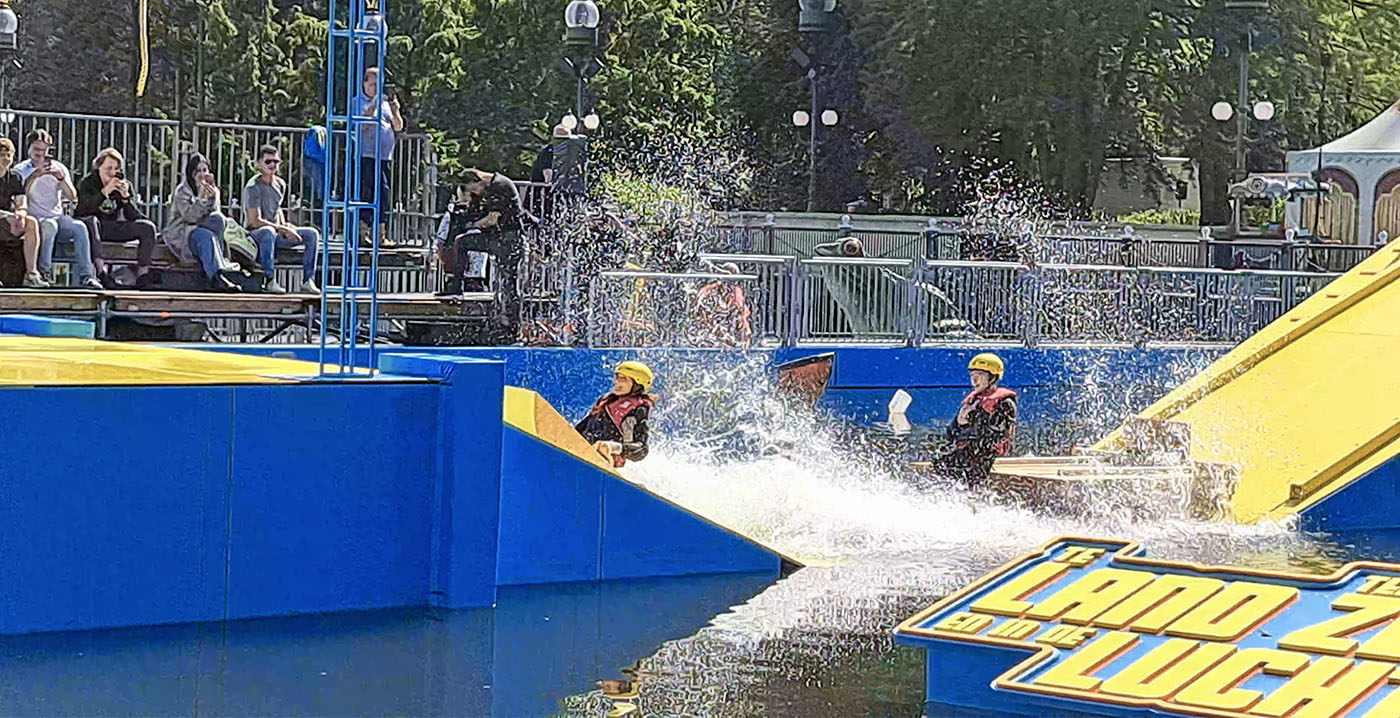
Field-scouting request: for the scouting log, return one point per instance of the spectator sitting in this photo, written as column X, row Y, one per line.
column 268, row 227
column 17, row 223
column 105, row 194
column 196, row 231
column 456, row 223
column 47, row 183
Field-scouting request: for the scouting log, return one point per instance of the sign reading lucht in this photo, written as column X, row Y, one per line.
column 1112, row 632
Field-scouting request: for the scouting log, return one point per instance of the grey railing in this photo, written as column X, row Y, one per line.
column 155, row 153
column 630, row 308
column 950, row 242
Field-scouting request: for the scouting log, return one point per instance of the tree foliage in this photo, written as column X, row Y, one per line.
column 929, row 92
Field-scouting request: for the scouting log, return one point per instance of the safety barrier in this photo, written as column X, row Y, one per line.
column 630, row 308
column 950, row 242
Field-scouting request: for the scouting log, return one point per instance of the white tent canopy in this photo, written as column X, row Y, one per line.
column 1369, row 155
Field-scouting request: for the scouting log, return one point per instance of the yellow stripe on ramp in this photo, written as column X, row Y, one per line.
column 1309, row 403
column 530, row 413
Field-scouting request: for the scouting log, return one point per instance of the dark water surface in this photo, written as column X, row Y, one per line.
column 816, row 643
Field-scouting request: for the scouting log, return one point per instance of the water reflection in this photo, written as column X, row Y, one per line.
column 538, row 645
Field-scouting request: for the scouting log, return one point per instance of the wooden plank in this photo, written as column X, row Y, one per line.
column 33, row 300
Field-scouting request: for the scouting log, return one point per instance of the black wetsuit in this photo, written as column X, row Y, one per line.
column 622, row 419
column 988, row 433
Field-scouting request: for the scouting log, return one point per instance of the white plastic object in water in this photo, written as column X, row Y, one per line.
column 899, row 403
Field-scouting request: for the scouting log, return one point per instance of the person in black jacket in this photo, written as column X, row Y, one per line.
column 985, row 426
column 501, row 217
column 105, row 194
column 617, row 423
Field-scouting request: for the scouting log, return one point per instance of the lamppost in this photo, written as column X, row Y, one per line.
column 815, row 20
column 581, row 41
column 1263, row 111
column 9, row 47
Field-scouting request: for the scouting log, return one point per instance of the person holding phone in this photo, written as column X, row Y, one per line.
column 376, row 143
column 105, row 194
column 47, row 184
column 196, row 232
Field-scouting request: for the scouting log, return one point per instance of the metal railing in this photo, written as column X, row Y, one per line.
column 154, row 154
column 951, row 243
column 631, row 308
column 900, row 302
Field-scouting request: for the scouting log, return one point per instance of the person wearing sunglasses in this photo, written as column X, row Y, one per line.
column 268, row 227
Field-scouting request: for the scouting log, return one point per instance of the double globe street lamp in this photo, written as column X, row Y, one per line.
column 581, row 42
column 816, row 19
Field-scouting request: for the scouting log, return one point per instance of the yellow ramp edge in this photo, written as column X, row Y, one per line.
column 530, row 413
column 61, row 361
column 1306, row 405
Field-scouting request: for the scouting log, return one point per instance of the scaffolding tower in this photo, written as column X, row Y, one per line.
column 356, row 43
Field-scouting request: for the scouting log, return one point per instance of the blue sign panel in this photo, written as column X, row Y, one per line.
column 1092, row 626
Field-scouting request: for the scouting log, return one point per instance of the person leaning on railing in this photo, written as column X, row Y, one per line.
column 196, row 231
column 105, row 195
column 47, row 183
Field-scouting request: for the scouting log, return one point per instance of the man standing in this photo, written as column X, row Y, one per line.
column 15, row 222
column 268, row 227
column 47, row 183
column 375, row 153
column 496, row 202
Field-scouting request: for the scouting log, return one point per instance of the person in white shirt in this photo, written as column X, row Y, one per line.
column 47, row 183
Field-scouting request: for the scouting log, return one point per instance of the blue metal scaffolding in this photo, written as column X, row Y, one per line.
column 356, row 43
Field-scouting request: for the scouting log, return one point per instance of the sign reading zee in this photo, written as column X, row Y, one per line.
column 1112, row 632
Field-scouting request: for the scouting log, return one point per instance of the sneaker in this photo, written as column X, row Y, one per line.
column 91, row 283
column 36, row 280
column 309, row 287
column 221, row 283
column 272, row 287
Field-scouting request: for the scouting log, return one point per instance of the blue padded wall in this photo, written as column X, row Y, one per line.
column 551, row 514
column 37, row 326
column 645, row 535
column 331, row 497
column 112, row 506
column 563, row 519
column 468, row 464
column 1367, row 503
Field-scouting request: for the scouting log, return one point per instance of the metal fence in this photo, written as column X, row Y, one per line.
column 950, row 243
column 895, row 302
column 155, row 152
column 630, row 308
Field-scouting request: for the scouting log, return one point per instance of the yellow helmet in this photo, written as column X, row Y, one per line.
column 989, row 363
column 638, row 372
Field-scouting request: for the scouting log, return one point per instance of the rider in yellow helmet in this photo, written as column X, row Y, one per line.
column 985, row 426
column 617, row 423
